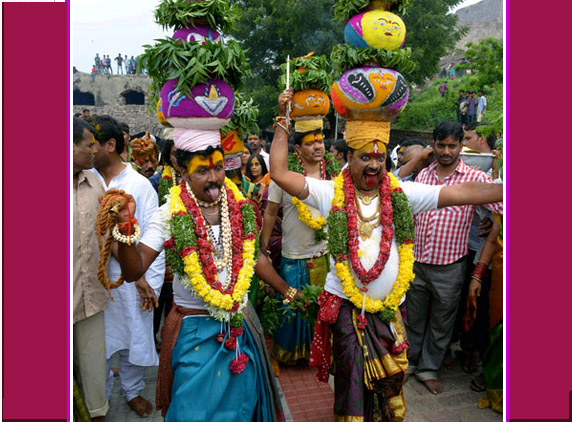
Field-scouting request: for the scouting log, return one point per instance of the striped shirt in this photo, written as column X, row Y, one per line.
column 441, row 235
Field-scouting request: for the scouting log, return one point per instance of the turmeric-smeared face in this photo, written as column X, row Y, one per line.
column 367, row 165
column 312, row 147
column 206, row 176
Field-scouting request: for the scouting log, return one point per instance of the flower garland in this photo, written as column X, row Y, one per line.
column 328, row 169
column 191, row 254
column 165, row 183
column 343, row 242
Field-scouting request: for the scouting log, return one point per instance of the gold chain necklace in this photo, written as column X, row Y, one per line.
column 367, row 200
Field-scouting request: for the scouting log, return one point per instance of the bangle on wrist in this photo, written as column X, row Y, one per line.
column 481, row 269
column 289, row 295
column 473, row 277
column 130, row 239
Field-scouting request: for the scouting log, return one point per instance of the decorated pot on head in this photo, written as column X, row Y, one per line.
column 376, row 29
column 310, row 104
column 208, row 107
column 370, row 93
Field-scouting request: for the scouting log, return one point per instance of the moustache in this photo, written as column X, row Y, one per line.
column 372, row 171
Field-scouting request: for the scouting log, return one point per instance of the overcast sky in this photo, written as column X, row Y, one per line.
column 111, row 27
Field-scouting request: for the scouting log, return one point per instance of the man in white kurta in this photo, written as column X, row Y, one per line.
column 129, row 328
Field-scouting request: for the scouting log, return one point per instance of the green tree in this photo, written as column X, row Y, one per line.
column 431, row 32
column 486, row 60
column 270, row 30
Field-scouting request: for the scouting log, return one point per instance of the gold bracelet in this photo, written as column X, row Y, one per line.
column 289, row 295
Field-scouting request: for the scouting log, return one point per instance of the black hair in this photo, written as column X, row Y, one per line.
column 409, row 142
column 248, row 173
column 299, row 135
column 249, row 148
column 461, row 90
column 124, row 127
column 77, row 115
column 184, row 157
column 85, row 109
column 341, row 146
column 78, row 126
column 166, row 152
column 389, row 163
column 491, row 138
column 446, row 129
column 106, row 129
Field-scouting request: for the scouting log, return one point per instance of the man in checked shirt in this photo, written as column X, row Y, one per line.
column 440, row 251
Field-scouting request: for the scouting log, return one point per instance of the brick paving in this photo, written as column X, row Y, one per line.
column 307, row 399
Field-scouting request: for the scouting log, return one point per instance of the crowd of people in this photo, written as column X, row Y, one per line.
column 306, row 213
column 103, row 65
column 470, row 108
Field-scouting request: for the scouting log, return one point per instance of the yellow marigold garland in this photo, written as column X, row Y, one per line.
column 306, row 217
column 404, row 277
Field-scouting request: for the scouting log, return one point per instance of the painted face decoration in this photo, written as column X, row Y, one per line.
column 200, row 34
column 375, row 29
column 209, row 107
column 310, row 102
column 370, row 93
column 199, row 161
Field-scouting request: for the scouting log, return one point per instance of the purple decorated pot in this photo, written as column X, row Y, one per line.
column 209, row 107
column 370, row 93
column 200, row 33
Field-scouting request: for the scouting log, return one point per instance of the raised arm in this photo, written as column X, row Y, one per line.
column 470, row 193
column 292, row 182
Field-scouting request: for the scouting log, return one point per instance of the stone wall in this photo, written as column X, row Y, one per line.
column 107, row 91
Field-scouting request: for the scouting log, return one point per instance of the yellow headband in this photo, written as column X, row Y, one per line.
column 302, row 126
column 373, row 147
column 202, row 161
column 362, row 132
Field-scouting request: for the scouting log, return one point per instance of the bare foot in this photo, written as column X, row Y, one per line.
column 275, row 366
column 115, row 371
column 434, row 386
column 141, row 406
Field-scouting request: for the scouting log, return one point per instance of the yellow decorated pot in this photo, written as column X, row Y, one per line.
column 375, row 29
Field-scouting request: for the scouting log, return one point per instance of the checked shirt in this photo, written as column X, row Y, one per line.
column 441, row 235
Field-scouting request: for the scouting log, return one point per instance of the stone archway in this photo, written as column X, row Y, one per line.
column 133, row 97
column 83, row 98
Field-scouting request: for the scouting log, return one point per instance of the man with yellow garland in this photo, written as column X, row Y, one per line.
column 213, row 363
column 370, row 240
column 304, row 249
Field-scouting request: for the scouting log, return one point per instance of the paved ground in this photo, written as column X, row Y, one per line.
column 457, row 404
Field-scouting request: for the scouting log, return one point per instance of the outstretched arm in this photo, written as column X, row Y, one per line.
column 292, row 182
column 470, row 193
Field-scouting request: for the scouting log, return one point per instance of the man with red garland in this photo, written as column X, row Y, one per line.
column 213, row 363
column 304, row 258
column 370, row 240
column 441, row 258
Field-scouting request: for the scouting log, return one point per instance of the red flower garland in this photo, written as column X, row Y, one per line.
column 206, row 250
column 386, row 221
